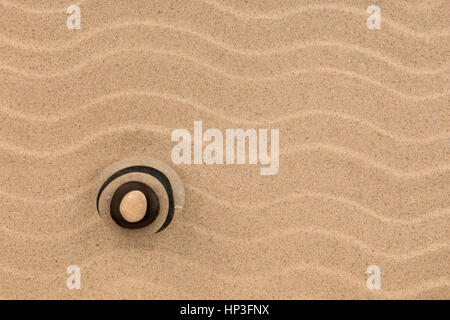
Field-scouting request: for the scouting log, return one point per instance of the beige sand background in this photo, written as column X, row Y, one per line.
column 364, row 138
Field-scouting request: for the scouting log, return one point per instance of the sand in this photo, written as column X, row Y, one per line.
column 364, row 147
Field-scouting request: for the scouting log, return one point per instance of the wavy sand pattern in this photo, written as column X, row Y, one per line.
column 364, row 147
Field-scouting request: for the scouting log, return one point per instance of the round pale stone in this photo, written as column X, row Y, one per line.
column 133, row 206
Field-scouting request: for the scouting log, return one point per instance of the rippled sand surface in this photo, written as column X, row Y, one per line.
column 364, row 147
